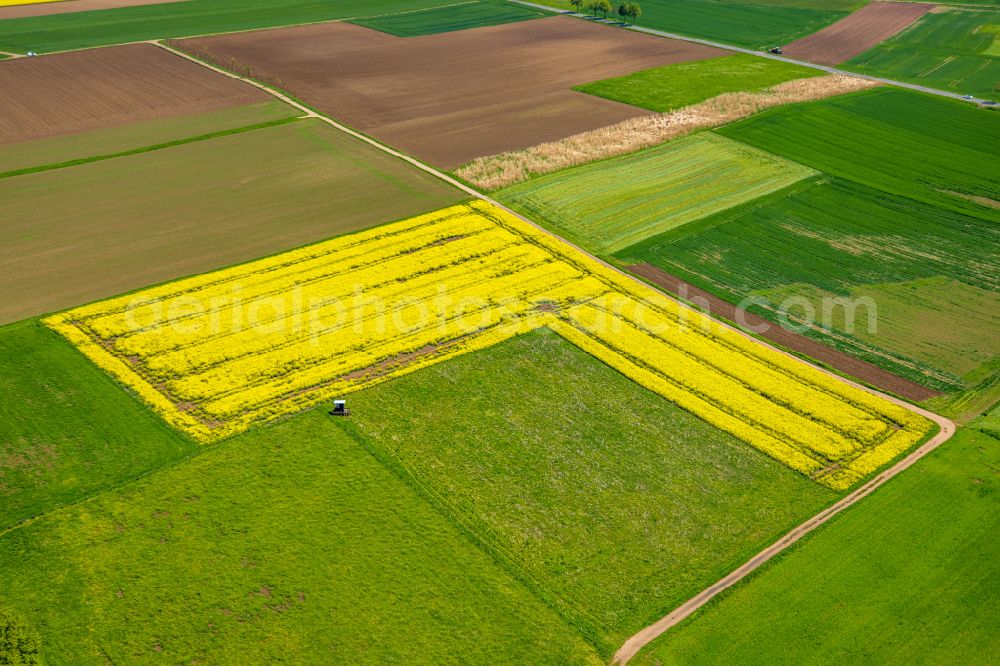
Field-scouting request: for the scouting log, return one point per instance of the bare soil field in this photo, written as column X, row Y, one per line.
column 101, row 88
column 72, row 6
column 81, row 233
column 866, row 372
column 451, row 97
column 857, row 33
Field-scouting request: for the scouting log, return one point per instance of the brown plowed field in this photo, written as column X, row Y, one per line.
column 862, row 370
column 451, row 97
column 21, row 11
column 100, row 88
column 70, row 236
column 865, row 28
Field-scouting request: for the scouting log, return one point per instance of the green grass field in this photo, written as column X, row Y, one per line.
column 927, row 270
column 907, row 143
column 990, row 423
column 289, row 542
column 957, row 50
column 85, row 232
column 756, row 25
column 675, row 86
column 134, row 136
column 79, row 30
column 470, row 14
column 609, row 205
column 907, row 576
column 523, row 502
column 614, row 502
column 66, row 429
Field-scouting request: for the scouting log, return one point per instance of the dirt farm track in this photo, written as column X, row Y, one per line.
column 857, row 33
column 451, row 97
column 107, row 88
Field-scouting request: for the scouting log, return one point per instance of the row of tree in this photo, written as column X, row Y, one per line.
column 630, row 10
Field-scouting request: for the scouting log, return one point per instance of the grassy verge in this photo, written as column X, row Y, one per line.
column 906, row 576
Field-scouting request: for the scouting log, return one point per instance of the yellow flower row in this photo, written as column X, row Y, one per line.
column 217, row 353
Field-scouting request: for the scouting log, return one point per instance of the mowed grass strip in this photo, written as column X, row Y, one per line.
column 956, row 50
column 606, row 206
column 62, row 32
column 675, row 86
column 66, row 429
column 78, row 234
column 935, row 150
column 907, row 576
column 461, row 15
column 615, row 503
column 137, row 135
column 290, row 542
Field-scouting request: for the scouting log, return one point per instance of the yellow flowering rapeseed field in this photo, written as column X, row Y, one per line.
column 219, row 352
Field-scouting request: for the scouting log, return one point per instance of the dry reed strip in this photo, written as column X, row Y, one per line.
column 497, row 171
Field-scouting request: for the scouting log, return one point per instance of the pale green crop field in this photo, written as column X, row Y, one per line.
column 610, row 205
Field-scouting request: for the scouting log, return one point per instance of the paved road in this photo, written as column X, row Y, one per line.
column 639, row 640
column 761, row 54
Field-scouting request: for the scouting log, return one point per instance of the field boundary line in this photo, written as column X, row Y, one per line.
column 101, row 491
column 41, row 168
column 636, row 642
column 639, row 640
column 759, row 54
column 574, row 617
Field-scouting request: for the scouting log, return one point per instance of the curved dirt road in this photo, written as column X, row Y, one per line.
column 639, row 640
column 685, row 610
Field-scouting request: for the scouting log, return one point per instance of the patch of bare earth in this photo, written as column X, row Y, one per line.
column 862, row 370
column 48, row 8
column 451, row 97
column 869, row 26
column 108, row 87
column 982, row 201
column 27, row 458
column 497, row 171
